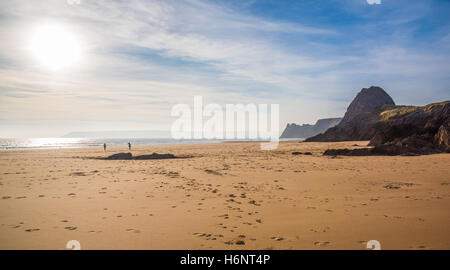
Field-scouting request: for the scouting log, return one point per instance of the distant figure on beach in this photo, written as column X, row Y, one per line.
column 104, row 147
column 129, row 146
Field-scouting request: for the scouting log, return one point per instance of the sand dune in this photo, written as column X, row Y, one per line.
column 223, row 196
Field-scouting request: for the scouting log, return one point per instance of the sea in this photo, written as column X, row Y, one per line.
column 56, row 143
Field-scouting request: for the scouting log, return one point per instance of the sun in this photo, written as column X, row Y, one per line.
column 55, row 47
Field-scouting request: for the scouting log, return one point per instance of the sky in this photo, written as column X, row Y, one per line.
column 135, row 59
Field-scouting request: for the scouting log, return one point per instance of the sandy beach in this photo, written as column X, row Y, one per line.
column 223, row 196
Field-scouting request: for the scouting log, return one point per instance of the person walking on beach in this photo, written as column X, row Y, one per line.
column 129, row 146
column 104, row 147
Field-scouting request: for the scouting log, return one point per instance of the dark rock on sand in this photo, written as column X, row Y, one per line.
column 347, row 152
column 120, row 156
column 155, row 156
column 129, row 156
column 300, row 153
column 384, row 150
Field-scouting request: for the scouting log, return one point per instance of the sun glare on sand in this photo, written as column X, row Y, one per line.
column 55, row 47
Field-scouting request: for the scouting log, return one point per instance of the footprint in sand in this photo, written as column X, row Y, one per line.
column 70, row 228
column 391, row 186
column 32, row 230
column 322, row 243
column 212, row 172
column 6, row 197
column 78, row 174
column 133, row 230
column 254, row 203
column 225, row 216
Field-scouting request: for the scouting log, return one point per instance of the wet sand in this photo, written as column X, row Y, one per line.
column 224, row 196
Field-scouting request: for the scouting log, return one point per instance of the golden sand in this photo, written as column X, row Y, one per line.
column 226, row 196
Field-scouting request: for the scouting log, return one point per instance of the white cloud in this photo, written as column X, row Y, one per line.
column 144, row 56
column 371, row 2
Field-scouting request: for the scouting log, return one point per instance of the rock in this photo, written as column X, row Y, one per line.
column 348, row 152
column 378, row 139
column 358, row 122
column 300, row 153
column 366, row 101
column 392, row 130
column 155, row 156
column 441, row 138
column 417, row 130
column 306, row 130
column 120, row 156
column 385, row 150
column 129, row 156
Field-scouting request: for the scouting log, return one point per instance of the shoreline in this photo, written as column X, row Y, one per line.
column 143, row 145
column 114, row 142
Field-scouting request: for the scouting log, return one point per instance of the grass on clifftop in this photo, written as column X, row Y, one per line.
column 402, row 110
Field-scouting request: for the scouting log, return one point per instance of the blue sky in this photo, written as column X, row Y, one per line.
column 141, row 57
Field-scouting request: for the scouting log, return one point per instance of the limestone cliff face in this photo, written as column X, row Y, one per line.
column 361, row 114
column 306, row 130
column 367, row 100
column 419, row 130
column 391, row 129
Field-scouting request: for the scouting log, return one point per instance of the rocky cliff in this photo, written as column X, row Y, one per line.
column 357, row 124
column 412, row 129
column 367, row 100
column 391, row 129
column 306, row 130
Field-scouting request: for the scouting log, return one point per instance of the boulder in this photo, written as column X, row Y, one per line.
column 120, row 156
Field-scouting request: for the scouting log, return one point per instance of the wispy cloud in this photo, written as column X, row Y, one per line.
column 372, row 2
column 140, row 57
